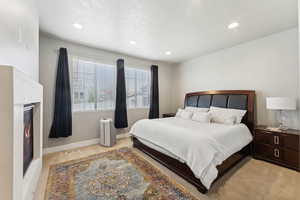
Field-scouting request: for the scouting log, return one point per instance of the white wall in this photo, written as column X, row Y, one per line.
column 19, row 33
column 86, row 124
column 268, row 65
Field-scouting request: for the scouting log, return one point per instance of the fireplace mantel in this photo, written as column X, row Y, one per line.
column 17, row 90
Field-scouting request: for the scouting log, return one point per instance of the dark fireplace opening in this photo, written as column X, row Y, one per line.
column 28, row 137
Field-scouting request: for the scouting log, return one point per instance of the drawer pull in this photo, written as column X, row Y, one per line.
column 276, row 139
column 276, row 153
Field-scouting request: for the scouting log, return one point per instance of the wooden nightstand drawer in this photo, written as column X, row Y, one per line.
column 277, row 139
column 280, row 155
column 267, row 138
column 267, row 151
column 291, row 142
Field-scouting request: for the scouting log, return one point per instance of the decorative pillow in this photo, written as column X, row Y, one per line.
column 222, row 118
column 196, row 109
column 227, row 114
column 186, row 114
column 203, row 117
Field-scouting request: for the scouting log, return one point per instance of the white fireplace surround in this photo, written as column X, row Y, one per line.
column 17, row 89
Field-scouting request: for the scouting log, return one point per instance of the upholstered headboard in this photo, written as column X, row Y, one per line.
column 235, row 99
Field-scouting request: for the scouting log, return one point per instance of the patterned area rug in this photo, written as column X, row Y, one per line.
column 116, row 175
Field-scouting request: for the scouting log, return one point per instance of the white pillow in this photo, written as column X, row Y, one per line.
column 227, row 114
column 196, row 109
column 222, row 117
column 178, row 113
column 186, row 114
column 203, row 117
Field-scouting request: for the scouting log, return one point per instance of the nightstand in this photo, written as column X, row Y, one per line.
column 168, row 115
column 279, row 147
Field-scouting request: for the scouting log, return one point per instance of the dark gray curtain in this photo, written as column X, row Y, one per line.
column 62, row 120
column 121, row 107
column 154, row 97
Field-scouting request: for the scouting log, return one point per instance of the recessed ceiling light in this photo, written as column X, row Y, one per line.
column 233, row 25
column 168, row 53
column 132, row 42
column 78, row 26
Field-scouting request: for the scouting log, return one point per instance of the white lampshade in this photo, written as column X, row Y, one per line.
column 281, row 103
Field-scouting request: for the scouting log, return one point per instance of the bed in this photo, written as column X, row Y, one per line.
column 200, row 153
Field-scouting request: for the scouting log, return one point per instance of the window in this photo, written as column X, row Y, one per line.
column 137, row 88
column 94, row 85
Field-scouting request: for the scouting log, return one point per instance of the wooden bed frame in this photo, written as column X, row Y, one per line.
column 181, row 168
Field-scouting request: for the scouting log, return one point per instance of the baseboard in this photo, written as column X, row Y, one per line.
column 78, row 144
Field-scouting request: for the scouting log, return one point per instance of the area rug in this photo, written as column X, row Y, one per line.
column 115, row 175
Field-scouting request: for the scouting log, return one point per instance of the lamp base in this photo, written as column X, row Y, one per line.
column 282, row 120
column 283, row 128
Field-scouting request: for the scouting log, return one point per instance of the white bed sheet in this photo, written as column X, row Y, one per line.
column 202, row 146
column 160, row 149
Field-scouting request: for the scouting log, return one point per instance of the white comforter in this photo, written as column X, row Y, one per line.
column 202, row 146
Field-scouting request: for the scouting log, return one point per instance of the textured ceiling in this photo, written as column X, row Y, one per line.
column 187, row 28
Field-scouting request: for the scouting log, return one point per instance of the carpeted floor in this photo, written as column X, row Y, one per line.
column 251, row 179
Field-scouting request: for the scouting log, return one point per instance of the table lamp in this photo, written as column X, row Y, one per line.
column 281, row 104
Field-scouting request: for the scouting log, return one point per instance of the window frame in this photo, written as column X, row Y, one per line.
column 95, row 61
column 136, row 87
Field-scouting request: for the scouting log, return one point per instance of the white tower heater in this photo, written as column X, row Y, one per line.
column 107, row 137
